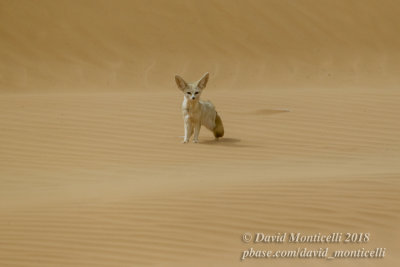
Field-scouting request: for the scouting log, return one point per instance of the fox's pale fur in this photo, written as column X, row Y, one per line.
column 197, row 112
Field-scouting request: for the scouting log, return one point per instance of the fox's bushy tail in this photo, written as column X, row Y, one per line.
column 219, row 127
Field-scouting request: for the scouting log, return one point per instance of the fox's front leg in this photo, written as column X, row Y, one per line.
column 196, row 132
column 188, row 131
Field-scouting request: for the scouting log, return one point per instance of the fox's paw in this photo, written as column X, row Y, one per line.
column 185, row 141
column 195, row 141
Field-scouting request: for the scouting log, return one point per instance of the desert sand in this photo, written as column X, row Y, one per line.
column 92, row 169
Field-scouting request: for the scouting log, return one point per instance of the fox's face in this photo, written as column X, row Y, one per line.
column 192, row 91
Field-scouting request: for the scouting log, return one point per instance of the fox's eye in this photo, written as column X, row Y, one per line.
column 188, row 93
column 196, row 93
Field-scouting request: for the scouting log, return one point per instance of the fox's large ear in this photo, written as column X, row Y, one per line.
column 203, row 81
column 180, row 82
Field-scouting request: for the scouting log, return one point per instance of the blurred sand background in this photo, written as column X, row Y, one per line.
column 92, row 169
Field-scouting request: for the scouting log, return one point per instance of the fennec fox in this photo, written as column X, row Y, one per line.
column 197, row 112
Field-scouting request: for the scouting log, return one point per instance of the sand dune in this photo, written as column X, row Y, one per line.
column 97, row 45
column 95, row 183
column 92, row 169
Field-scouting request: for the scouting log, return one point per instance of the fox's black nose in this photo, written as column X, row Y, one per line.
column 193, row 97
